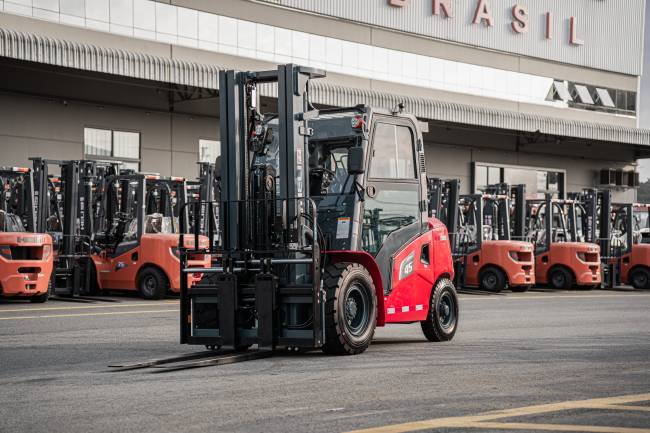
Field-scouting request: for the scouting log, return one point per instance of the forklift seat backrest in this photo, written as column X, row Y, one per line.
column 157, row 223
column 131, row 231
column 10, row 222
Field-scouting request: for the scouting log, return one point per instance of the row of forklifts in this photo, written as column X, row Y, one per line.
column 320, row 226
column 92, row 228
column 502, row 239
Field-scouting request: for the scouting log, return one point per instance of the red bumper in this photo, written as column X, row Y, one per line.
column 21, row 279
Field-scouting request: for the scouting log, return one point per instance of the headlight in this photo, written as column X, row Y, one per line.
column 514, row 255
column 47, row 250
column 176, row 252
column 5, row 251
column 581, row 256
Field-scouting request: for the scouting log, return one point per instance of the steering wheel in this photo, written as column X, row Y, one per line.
column 323, row 170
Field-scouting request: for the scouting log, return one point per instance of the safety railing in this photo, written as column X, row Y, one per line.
column 265, row 226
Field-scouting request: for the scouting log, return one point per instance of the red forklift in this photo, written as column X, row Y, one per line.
column 25, row 252
column 325, row 232
column 137, row 246
column 564, row 255
column 624, row 237
column 486, row 255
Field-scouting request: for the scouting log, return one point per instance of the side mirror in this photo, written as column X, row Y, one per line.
column 356, row 161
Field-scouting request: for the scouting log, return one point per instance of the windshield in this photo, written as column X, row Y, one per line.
column 329, row 176
column 641, row 220
column 10, row 223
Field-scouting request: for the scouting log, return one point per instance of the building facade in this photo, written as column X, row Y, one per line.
column 535, row 92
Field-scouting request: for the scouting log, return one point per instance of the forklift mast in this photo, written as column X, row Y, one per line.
column 167, row 196
column 518, row 221
column 73, row 268
column 444, row 196
column 265, row 215
column 18, row 196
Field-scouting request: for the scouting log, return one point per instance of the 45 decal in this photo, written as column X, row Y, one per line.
column 406, row 267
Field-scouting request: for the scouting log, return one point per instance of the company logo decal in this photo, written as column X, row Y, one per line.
column 406, row 268
column 483, row 14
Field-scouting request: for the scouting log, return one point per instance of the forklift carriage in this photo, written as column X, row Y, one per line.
column 324, row 231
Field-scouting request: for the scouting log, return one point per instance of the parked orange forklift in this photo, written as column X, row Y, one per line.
column 562, row 256
column 484, row 252
column 624, row 237
column 25, row 255
column 138, row 249
column 630, row 245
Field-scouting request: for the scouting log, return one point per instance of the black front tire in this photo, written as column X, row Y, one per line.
column 39, row 299
column 442, row 320
column 350, row 309
column 640, row 279
column 492, row 280
column 152, row 283
column 560, row 278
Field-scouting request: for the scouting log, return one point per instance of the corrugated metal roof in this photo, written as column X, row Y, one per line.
column 427, row 108
column 34, row 48
column 41, row 49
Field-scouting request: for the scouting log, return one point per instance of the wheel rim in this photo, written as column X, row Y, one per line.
column 149, row 284
column 640, row 279
column 446, row 311
column 558, row 279
column 490, row 281
column 356, row 309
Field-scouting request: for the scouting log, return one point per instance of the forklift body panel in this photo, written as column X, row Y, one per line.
column 26, row 256
column 159, row 250
column 583, row 259
column 556, row 236
column 513, row 258
column 26, row 262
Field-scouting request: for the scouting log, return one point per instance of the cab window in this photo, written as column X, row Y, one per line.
column 393, row 155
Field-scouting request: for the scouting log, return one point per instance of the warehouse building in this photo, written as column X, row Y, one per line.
column 535, row 92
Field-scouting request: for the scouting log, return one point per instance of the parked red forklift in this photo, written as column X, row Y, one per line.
column 137, row 250
column 326, row 233
column 624, row 236
column 25, row 253
column 486, row 253
column 564, row 257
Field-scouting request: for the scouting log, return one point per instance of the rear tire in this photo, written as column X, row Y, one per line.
column 492, row 279
column 560, row 278
column 640, row 278
column 152, row 283
column 442, row 319
column 350, row 309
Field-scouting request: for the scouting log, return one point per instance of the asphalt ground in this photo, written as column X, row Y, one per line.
column 538, row 361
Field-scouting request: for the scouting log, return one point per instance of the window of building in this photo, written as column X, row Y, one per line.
column 393, row 154
column 209, row 150
column 538, row 181
column 113, row 145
